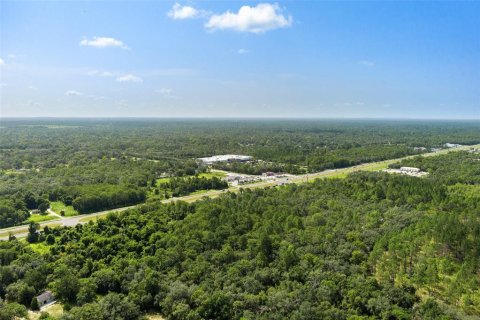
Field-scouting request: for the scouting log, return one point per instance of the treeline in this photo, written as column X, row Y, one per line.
column 12, row 213
column 181, row 186
column 31, row 189
column 14, row 208
column 97, row 197
column 454, row 167
column 259, row 167
column 370, row 246
column 47, row 144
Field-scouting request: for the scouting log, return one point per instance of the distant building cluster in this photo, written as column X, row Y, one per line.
column 225, row 158
column 410, row 171
column 452, row 145
column 237, row 179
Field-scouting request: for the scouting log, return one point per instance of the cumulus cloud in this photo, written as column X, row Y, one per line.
column 103, row 42
column 179, row 12
column 367, row 63
column 72, row 93
column 129, row 78
column 2, row 62
column 258, row 19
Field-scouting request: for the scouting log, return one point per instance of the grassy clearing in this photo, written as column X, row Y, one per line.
column 37, row 218
column 212, row 174
column 377, row 165
column 154, row 316
column 58, row 206
column 54, row 310
column 199, row 192
column 40, row 247
column 207, row 175
column 12, row 171
column 162, row 180
column 337, row 175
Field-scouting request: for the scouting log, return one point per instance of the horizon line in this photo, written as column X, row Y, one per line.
column 227, row 118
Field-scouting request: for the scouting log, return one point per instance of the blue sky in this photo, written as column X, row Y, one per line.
column 315, row 59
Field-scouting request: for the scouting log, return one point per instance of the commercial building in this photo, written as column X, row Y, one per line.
column 225, row 158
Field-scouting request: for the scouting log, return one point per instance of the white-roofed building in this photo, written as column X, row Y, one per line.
column 225, row 158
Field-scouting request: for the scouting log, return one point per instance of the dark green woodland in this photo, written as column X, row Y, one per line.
column 372, row 245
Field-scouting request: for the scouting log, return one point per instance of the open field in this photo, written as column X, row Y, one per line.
column 54, row 310
column 212, row 174
column 58, row 206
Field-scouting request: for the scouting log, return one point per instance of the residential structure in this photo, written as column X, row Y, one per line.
column 45, row 298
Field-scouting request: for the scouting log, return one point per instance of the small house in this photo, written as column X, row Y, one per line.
column 45, row 298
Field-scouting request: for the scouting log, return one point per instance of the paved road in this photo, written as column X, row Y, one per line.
column 72, row 221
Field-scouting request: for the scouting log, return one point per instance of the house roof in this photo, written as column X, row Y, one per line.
column 45, row 296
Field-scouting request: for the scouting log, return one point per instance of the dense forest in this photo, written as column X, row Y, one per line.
column 370, row 246
column 40, row 158
column 318, row 144
column 181, row 186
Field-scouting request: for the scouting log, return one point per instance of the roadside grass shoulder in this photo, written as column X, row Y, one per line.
column 94, row 218
column 37, row 218
column 7, row 232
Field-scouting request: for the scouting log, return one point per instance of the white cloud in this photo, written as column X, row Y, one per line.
column 97, row 73
column 72, row 93
column 103, row 42
column 167, row 93
column 242, row 51
column 129, row 78
column 179, row 12
column 2, row 62
column 33, row 88
column 353, row 104
column 259, row 19
column 164, row 91
column 367, row 63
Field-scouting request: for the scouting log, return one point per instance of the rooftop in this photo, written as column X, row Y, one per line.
column 225, row 157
